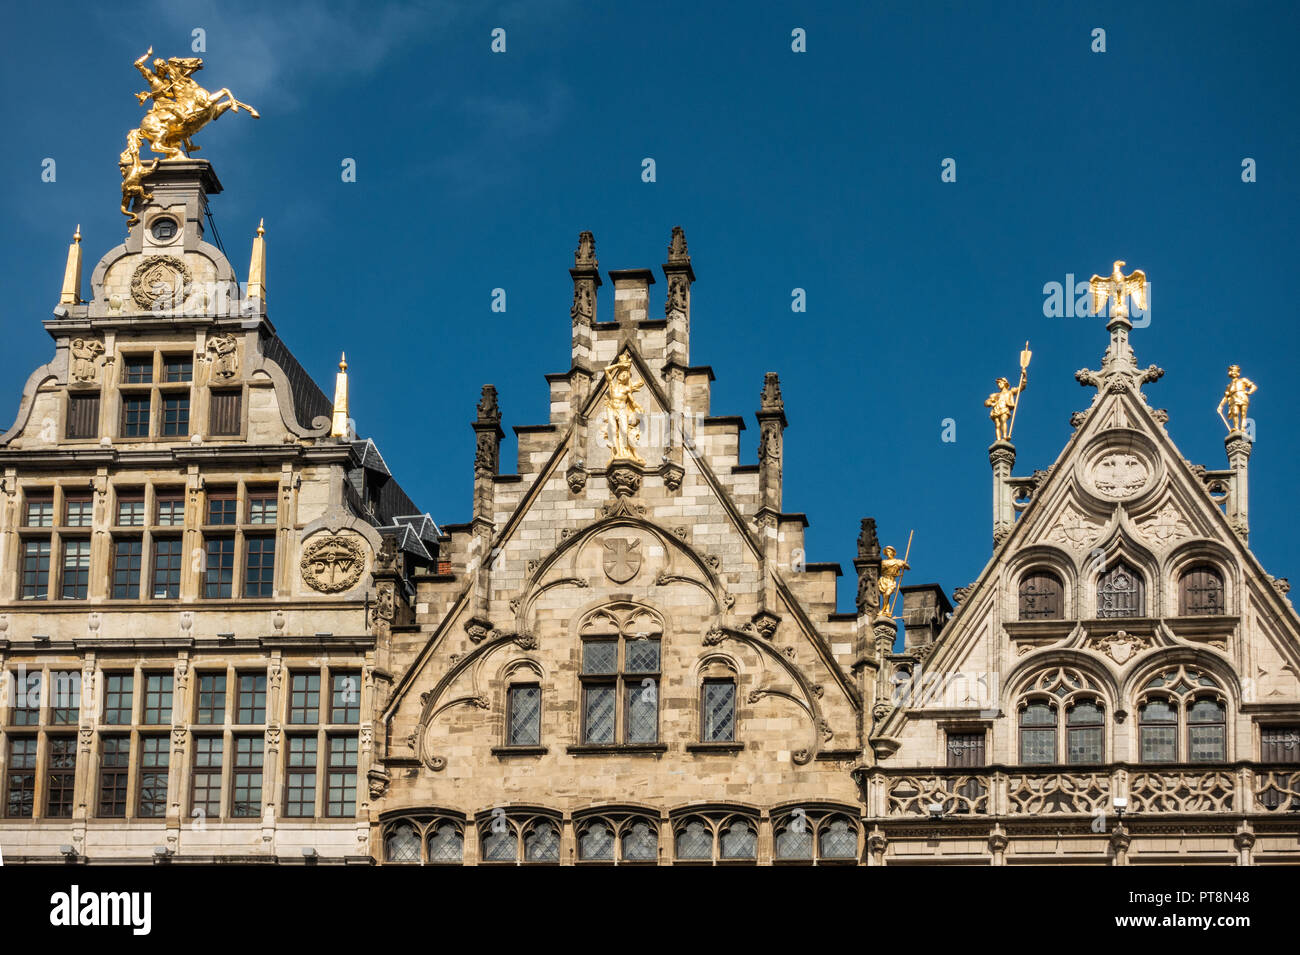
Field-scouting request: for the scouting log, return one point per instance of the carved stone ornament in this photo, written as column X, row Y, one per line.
column 1121, row 646
column 624, row 481
column 1074, row 529
column 161, row 280
column 576, row 475
column 333, row 563
column 622, row 558
column 478, row 629
column 672, row 475
column 223, row 353
column 1120, row 475
column 1167, row 527
column 85, row 352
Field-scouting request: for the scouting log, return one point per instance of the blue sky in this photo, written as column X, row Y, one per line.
column 818, row 170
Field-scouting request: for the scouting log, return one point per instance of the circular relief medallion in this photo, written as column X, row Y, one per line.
column 332, row 564
column 1120, row 474
column 1121, row 468
column 160, row 279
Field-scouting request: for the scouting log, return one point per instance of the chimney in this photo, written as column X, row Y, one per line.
column 925, row 612
column 631, row 301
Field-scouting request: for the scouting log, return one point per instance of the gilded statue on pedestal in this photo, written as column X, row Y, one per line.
column 1002, row 403
column 1237, row 397
column 1117, row 288
column 891, row 575
column 622, row 413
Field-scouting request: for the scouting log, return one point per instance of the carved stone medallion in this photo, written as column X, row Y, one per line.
column 1120, row 475
column 1074, row 529
column 1121, row 646
column 333, row 563
column 1166, row 527
column 161, row 277
column 622, row 559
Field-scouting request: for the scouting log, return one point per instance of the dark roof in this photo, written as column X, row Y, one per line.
column 309, row 401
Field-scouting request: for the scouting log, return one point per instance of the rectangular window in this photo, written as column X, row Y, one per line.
column 206, row 795
column 211, row 706
column 76, row 570
column 118, row 691
column 130, row 510
column 599, row 701
column 65, row 697
column 20, row 776
column 524, row 715
column 27, row 704
column 114, row 765
column 178, row 368
column 304, row 697
column 223, row 413
column 36, row 570
column 170, row 510
column 137, row 370
column 78, row 511
column 157, row 699
column 259, row 565
column 61, row 777
column 251, row 704
column 135, row 417
column 300, row 777
column 718, row 711
column 261, row 507
column 641, row 719
column 219, row 570
column 965, row 750
column 166, row 567
column 341, row 784
column 1279, row 744
column 345, row 698
column 246, row 779
column 175, row 415
column 39, row 512
column 83, row 416
column 128, row 554
column 221, row 509
column 155, row 752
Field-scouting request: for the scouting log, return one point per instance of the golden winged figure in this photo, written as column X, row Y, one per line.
column 1118, row 287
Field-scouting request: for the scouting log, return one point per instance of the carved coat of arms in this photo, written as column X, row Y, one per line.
column 332, row 564
column 622, row 559
column 1120, row 475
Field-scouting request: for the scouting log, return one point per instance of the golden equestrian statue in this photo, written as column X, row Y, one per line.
column 622, row 413
column 1237, row 397
column 1118, row 287
column 180, row 108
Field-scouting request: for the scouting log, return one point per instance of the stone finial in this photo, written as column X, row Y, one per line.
column 339, row 425
column 488, row 410
column 868, row 543
column 585, row 255
column 70, row 294
column 677, row 246
column 257, row 265
column 770, row 396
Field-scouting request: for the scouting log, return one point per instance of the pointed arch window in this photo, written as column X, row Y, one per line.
column 1062, row 711
column 1182, row 714
column 1121, row 592
column 1041, row 596
column 1200, row 591
column 620, row 675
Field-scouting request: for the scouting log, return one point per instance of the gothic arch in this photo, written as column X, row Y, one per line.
column 1033, row 666
column 1121, row 547
column 1189, row 555
column 1046, row 557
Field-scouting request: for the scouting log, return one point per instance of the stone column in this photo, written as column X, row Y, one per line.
column 487, row 462
column 586, row 279
column 1239, row 446
column 1002, row 457
column 677, row 308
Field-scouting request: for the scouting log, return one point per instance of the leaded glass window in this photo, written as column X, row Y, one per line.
column 621, row 661
column 838, row 840
column 1084, row 731
column 446, row 843
column 1206, row 732
column 596, row 843
column 739, row 840
column 500, row 844
column 524, row 715
column 718, row 711
column 695, row 841
column 542, row 843
column 640, row 843
column 1185, row 707
column 1038, row 734
column 794, row 840
column 1159, row 732
column 402, row 844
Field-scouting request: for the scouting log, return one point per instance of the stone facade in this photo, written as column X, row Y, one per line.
column 188, row 618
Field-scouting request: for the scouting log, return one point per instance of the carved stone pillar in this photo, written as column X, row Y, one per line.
column 1119, row 843
column 771, row 430
column 998, row 845
column 1244, row 840
column 1002, row 457
column 487, row 461
column 1239, row 447
column 677, row 306
column 586, row 279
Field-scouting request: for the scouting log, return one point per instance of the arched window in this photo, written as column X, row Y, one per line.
column 1121, row 592
column 402, row 843
column 542, row 842
column 1041, row 596
column 815, row 837
column 619, row 837
column 694, row 841
column 596, row 842
column 1043, row 734
column 1182, row 714
column 739, row 839
column 620, row 675
column 717, row 702
column 500, row 836
column 445, row 843
column 1200, row 591
column 640, row 842
column 718, row 836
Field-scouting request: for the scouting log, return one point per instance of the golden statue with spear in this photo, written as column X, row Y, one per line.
column 891, row 575
column 1002, row 403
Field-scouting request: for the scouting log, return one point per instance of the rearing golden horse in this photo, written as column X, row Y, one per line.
column 181, row 107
